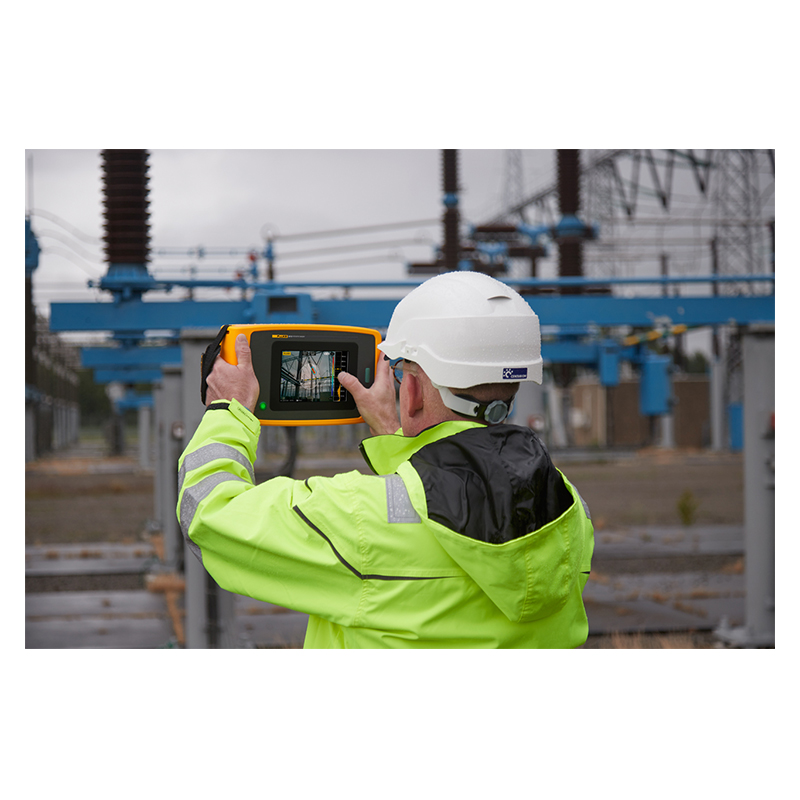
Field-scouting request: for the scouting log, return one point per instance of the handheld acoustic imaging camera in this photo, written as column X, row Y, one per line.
column 297, row 368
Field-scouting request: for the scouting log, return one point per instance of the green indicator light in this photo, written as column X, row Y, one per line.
column 262, row 406
column 366, row 375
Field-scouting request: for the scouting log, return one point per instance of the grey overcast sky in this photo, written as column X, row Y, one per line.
column 231, row 198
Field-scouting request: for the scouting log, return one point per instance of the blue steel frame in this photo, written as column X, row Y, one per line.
column 272, row 303
column 572, row 324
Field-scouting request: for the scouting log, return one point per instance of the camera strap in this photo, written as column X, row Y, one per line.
column 207, row 360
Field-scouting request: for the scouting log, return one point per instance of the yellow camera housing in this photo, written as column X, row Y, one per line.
column 297, row 368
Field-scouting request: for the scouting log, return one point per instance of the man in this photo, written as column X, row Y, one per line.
column 466, row 535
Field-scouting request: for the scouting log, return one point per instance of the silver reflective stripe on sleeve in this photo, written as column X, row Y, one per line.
column 195, row 495
column 211, row 452
column 398, row 503
column 585, row 507
column 194, row 548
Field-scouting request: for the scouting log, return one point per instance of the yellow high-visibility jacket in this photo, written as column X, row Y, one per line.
column 465, row 536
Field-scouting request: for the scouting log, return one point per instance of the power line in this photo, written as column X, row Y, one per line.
column 338, row 264
column 283, row 255
column 62, row 251
column 621, row 241
column 69, row 286
column 85, row 237
column 280, row 256
column 293, row 269
column 76, row 248
column 347, row 231
column 693, row 221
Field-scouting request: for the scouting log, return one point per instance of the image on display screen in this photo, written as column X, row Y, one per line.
column 310, row 376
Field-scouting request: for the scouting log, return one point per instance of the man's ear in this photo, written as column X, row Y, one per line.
column 414, row 394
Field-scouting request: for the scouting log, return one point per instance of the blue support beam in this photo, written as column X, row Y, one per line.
column 570, row 351
column 127, row 357
column 151, row 375
column 604, row 355
column 605, row 311
column 136, row 316
column 575, row 320
column 364, row 313
column 133, row 400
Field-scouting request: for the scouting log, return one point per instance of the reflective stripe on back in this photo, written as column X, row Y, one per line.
column 398, row 503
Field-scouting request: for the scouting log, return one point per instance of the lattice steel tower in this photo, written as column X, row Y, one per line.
column 740, row 240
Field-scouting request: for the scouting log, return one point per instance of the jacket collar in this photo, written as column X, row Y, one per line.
column 384, row 454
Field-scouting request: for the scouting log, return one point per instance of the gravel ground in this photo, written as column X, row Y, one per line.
column 64, row 502
column 97, row 499
column 653, row 641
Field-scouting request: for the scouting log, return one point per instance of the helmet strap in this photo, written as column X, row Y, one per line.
column 493, row 412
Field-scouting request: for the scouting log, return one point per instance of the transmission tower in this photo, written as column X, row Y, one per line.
column 513, row 195
column 513, row 180
column 739, row 245
column 599, row 205
column 740, row 242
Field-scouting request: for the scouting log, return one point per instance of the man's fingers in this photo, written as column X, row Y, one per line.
column 376, row 404
column 235, row 381
column 384, row 367
column 350, row 382
column 243, row 355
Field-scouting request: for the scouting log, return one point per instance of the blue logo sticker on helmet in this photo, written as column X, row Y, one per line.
column 515, row 373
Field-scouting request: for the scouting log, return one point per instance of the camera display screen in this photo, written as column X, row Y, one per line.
column 298, row 367
column 309, row 376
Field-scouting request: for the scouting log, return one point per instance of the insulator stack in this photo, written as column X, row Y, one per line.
column 569, row 186
column 570, row 252
column 450, row 171
column 450, row 220
column 127, row 231
column 570, row 264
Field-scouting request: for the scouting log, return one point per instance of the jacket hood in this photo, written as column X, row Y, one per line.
column 502, row 511
column 533, row 576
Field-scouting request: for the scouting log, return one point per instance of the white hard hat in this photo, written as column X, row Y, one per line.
column 465, row 329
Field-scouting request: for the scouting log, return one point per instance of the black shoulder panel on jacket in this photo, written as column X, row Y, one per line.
column 494, row 483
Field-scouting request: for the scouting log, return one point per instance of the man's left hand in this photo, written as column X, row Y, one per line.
column 234, row 382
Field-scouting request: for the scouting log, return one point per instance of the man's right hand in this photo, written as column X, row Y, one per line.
column 376, row 404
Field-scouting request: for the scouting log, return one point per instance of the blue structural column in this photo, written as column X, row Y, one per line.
column 655, row 395
column 736, row 427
